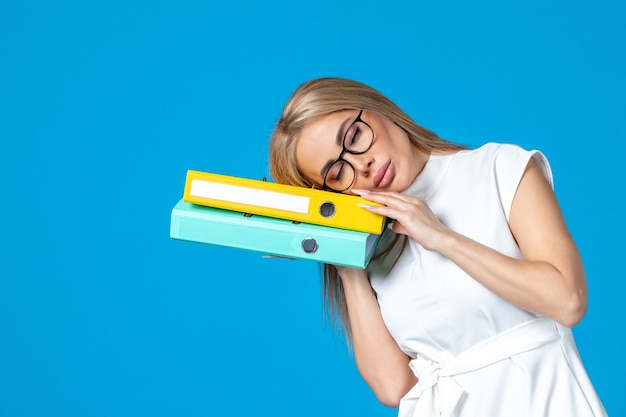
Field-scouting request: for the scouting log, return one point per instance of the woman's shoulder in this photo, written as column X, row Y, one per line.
column 494, row 148
column 488, row 150
column 498, row 157
column 494, row 153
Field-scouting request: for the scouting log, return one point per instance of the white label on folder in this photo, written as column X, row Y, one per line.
column 251, row 196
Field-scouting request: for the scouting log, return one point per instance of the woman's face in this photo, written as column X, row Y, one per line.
column 390, row 164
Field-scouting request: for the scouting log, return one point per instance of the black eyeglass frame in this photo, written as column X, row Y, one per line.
column 346, row 150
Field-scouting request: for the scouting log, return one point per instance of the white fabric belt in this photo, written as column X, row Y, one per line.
column 437, row 394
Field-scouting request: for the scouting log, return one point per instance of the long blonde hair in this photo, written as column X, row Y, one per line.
column 317, row 98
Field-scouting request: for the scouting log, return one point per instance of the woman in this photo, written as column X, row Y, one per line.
column 466, row 309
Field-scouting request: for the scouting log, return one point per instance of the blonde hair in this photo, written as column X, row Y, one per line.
column 317, row 98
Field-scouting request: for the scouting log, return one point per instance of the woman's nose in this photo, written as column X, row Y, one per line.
column 362, row 163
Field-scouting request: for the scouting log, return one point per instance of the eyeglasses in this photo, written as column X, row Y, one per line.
column 357, row 140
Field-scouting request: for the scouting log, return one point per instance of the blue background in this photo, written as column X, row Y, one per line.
column 105, row 105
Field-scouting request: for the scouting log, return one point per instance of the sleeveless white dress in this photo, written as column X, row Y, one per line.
column 474, row 353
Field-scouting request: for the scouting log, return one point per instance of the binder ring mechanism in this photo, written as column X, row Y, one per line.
column 309, row 245
column 327, row 209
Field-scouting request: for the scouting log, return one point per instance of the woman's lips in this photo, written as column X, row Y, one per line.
column 384, row 175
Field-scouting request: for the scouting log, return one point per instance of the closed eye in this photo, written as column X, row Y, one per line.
column 353, row 135
column 336, row 171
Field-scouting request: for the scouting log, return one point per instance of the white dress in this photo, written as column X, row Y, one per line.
column 474, row 353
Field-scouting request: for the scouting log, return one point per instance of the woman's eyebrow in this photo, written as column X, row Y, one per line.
column 339, row 141
column 340, row 132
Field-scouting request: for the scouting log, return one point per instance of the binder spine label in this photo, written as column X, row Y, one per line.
column 251, row 196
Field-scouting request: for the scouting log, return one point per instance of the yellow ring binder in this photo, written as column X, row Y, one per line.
column 289, row 202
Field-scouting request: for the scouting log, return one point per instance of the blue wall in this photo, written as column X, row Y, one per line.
column 105, row 105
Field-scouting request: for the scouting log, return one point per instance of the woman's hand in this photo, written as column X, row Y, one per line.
column 350, row 273
column 411, row 216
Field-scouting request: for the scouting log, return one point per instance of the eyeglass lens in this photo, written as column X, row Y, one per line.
column 357, row 140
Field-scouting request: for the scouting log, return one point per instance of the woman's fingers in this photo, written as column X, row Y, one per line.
column 394, row 205
column 411, row 216
column 278, row 257
column 386, row 211
column 390, row 199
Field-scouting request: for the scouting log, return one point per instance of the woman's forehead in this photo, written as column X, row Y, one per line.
column 324, row 128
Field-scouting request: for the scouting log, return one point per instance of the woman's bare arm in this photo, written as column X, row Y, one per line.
column 383, row 366
column 549, row 280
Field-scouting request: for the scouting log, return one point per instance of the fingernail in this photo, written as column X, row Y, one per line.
column 360, row 192
column 365, row 206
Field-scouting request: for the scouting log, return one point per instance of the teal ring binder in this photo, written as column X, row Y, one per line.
column 271, row 236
